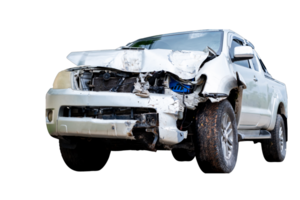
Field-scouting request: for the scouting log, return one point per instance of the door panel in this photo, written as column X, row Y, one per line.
column 250, row 113
column 266, row 93
column 249, row 117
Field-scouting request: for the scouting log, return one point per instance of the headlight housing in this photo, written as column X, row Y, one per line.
column 63, row 80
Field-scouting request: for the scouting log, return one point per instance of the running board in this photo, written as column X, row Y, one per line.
column 253, row 134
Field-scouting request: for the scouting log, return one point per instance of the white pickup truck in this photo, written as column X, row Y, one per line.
column 195, row 93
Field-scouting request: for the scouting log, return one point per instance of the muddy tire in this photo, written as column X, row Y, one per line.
column 274, row 150
column 183, row 155
column 216, row 138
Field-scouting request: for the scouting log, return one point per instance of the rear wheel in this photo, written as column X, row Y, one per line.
column 274, row 149
column 216, row 141
column 183, row 154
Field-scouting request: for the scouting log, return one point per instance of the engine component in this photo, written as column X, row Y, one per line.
column 157, row 89
column 123, row 74
column 106, row 76
column 156, row 75
column 85, row 80
column 180, row 87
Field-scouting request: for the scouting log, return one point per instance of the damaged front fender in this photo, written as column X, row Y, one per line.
column 220, row 76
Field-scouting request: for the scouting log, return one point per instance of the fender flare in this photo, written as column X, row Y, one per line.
column 238, row 103
column 240, row 80
column 240, row 86
column 274, row 116
column 287, row 127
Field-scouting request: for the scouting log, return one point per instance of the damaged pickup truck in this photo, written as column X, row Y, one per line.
column 195, row 93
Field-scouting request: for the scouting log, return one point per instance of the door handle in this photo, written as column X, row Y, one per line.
column 255, row 79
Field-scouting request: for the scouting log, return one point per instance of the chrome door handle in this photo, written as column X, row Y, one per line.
column 255, row 79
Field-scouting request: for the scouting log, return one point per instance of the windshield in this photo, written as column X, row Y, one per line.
column 196, row 41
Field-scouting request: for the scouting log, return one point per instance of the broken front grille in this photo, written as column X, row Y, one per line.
column 146, row 117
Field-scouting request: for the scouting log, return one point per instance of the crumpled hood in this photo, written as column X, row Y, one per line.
column 184, row 64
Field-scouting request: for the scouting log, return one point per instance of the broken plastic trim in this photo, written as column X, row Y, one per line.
column 215, row 95
column 142, row 115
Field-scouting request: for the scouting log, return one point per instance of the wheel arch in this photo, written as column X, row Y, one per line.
column 228, row 84
column 235, row 99
column 280, row 109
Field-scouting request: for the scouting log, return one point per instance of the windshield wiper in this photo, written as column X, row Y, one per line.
column 131, row 48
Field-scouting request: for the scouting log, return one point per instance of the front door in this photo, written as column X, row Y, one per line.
column 251, row 102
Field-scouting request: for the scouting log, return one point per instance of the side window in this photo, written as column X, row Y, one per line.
column 236, row 43
column 265, row 68
column 255, row 63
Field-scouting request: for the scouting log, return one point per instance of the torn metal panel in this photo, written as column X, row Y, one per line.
column 174, row 107
column 191, row 101
column 141, row 88
column 171, row 134
column 185, row 64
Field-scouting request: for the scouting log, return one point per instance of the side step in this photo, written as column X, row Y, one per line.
column 253, row 134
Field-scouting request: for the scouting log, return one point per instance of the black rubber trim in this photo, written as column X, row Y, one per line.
column 286, row 125
column 215, row 95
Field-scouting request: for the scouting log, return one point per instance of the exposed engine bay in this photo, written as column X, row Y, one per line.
column 139, row 83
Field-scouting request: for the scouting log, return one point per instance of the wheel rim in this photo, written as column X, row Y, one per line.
column 281, row 138
column 227, row 136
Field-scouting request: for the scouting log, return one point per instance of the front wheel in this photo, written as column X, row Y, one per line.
column 68, row 153
column 216, row 140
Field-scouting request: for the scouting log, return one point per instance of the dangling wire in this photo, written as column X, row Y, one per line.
column 188, row 125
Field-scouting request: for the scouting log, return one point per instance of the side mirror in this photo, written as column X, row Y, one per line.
column 243, row 53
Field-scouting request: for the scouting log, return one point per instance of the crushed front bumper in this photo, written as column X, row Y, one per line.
column 167, row 107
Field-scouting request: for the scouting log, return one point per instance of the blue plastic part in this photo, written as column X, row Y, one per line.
column 177, row 87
